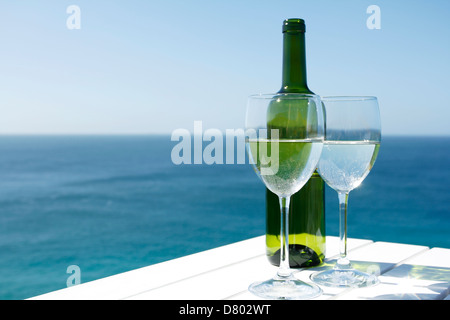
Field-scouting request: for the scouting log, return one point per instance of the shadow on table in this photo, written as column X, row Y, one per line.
column 404, row 282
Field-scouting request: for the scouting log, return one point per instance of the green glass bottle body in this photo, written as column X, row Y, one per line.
column 307, row 207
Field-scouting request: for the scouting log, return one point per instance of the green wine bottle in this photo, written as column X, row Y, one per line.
column 307, row 207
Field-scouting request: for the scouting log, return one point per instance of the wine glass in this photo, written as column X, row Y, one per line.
column 352, row 141
column 284, row 139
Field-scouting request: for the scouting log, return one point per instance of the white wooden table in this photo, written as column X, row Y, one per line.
column 406, row 272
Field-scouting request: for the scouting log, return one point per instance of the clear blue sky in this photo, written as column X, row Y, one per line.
column 155, row 66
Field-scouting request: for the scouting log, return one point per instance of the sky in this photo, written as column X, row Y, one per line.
column 145, row 67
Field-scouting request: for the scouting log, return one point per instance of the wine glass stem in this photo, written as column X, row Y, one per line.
column 284, row 270
column 343, row 262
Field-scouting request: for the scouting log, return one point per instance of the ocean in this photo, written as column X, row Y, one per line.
column 110, row 204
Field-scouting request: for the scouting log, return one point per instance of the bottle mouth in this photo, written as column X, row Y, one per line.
column 294, row 25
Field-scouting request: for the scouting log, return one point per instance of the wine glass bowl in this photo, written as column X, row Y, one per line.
column 284, row 139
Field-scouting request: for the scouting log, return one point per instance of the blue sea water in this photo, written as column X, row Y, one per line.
column 110, row 204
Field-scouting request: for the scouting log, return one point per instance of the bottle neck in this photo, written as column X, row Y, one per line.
column 294, row 63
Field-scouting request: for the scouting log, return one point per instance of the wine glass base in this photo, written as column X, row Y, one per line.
column 347, row 278
column 285, row 289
